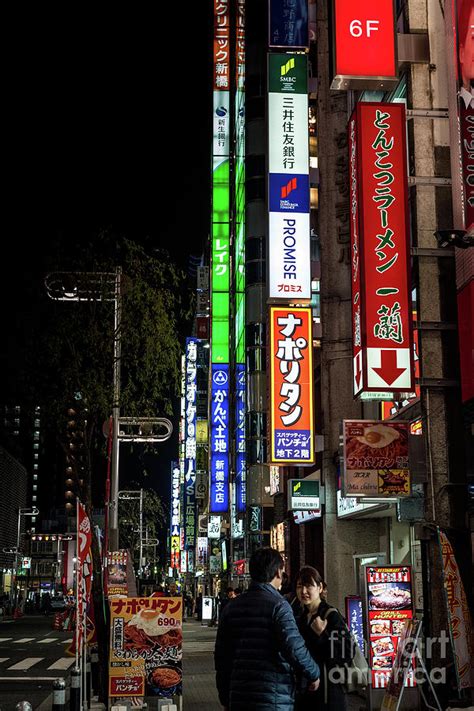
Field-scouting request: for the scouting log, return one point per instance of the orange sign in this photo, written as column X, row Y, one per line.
column 291, row 386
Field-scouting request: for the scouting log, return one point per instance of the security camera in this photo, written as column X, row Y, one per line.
column 454, row 238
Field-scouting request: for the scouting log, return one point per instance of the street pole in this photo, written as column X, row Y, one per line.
column 141, row 532
column 15, row 591
column 114, row 484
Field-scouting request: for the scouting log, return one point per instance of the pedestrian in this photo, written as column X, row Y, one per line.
column 229, row 595
column 259, row 650
column 325, row 632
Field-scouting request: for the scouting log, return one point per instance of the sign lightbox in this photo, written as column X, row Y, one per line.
column 380, row 251
column 288, row 24
column 219, row 445
column 289, row 274
column 364, row 44
column 303, row 495
column 291, row 386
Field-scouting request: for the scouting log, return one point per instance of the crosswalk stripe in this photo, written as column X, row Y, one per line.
column 4, row 659
column 63, row 663
column 5, row 639
column 25, row 664
column 66, row 641
column 47, row 640
column 23, row 640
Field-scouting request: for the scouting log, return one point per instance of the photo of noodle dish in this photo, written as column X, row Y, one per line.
column 382, row 646
column 150, row 629
column 390, row 596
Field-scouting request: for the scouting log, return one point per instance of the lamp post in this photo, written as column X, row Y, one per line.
column 21, row 512
column 133, row 495
column 98, row 286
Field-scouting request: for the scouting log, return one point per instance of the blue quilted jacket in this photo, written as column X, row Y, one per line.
column 258, row 652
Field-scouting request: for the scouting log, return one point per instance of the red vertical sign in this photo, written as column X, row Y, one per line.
column 381, row 282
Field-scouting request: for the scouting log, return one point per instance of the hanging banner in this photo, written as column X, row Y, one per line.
column 459, row 618
column 291, row 386
column 380, row 252
column 219, row 445
column 364, row 44
column 355, row 619
column 145, row 647
column 117, row 573
column 175, row 530
column 375, row 459
column 289, row 274
column 84, row 567
column 390, row 606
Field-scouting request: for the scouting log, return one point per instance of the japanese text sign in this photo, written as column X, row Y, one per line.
column 380, row 258
column 175, row 532
column 240, row 455
column 145, row 646
column 219, row 445
column 117, row 573
column 288, row 180
column 288, row 24
column 364, row 44
column 190, row 442
column 291, row 386
column 375, row 459
column 389, row 607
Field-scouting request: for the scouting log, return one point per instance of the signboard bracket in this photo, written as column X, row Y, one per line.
column 427, row 113
column 428, row 180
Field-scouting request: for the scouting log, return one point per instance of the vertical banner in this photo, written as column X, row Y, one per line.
column 117, row 573
column 364, row 44
column 381, row 281
column 459, row 618
column 355, row 619
column 390, row 608
column 175, row 532
column 291, row 386
column 219, row 447
column 190, row 444
column 145, row 647
column 288, row 24
column 289, row 274
column 240, row 459
column 84, row 568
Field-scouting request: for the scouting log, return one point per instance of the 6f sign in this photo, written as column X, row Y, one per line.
column 364, row 44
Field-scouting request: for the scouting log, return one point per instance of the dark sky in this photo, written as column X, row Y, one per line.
column 107, row 122
column 107, row 117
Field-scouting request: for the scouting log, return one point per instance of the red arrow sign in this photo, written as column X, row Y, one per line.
column 358, row 375
column 388, row 371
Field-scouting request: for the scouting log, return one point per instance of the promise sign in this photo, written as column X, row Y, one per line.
column 364, row 44
column 291, row 386
column 289, row 275
column 381, row 283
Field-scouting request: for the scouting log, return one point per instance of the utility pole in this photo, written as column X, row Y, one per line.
column 114, row 480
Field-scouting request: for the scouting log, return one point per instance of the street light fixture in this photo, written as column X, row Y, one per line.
column 131, row 495
column 98, row 286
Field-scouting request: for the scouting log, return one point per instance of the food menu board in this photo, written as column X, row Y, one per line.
column 389, row 607
column 145, row 646
column 355, row 619
column 117, row 573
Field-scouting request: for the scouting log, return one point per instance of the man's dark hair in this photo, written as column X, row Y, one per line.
column 264, row 564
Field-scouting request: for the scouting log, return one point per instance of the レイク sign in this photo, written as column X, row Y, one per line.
column 364, row 40
column 291, row 386
column 379, row 221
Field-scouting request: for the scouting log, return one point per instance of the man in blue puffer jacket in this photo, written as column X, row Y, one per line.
column 259, row 649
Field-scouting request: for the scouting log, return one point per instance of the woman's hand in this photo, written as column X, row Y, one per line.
column 318, row 625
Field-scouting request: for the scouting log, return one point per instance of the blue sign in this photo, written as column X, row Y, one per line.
column 289, row 192
column 240, row 454
column 289, row 25
column 355, row 619
column 219, row 439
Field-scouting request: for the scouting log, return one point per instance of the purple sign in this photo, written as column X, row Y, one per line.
column 219, row 495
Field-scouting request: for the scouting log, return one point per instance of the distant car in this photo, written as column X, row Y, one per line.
column 58, row 603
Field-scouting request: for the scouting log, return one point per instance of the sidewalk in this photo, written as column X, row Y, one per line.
column 199, row 685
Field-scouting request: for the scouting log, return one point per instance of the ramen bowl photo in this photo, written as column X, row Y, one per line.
column 165, row 681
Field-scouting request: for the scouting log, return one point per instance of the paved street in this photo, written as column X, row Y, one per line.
column 199, row 687
column 32, row 655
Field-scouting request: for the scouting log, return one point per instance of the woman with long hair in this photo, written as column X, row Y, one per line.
column 325, row 632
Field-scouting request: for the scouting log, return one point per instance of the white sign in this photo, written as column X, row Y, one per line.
column 214, row 527
column 396, row 367
column 290, row 260
column 207, row 608
column 348, row 506
column 279, row 107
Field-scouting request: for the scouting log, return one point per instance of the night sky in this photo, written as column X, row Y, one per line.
column 106, row 122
